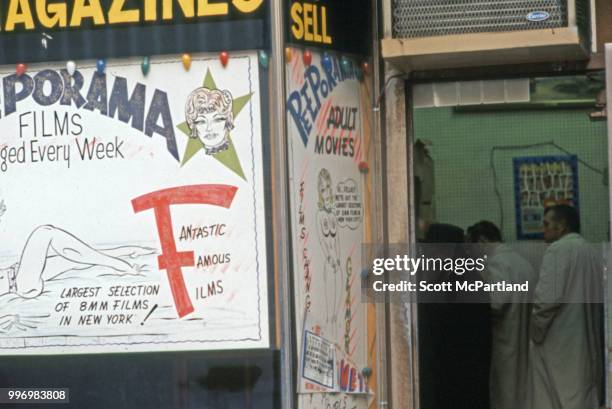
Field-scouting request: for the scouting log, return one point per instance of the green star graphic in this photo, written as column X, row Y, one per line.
column 228, row 158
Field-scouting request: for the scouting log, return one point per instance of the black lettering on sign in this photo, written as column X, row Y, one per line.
column 213, row 288
column 210, row 260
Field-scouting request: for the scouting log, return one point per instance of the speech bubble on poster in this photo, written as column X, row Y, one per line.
column 348, row 207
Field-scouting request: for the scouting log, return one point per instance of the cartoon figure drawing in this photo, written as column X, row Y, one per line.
column 330, row 244
column 50, row 252
column 27, row 278
column 209, row 115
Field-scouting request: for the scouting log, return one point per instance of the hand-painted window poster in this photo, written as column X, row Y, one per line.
column 540, row 182
column 324, row 114
column 132, row 208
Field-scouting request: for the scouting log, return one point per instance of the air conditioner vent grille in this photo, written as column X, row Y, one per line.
column 428, row 18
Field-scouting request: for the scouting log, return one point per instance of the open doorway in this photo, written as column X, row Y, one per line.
column 502, row 152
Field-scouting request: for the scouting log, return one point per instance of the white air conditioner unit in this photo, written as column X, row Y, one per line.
column 439, row 34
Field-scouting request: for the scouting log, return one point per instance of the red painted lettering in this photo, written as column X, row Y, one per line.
column 353, row 381
column 170, row 259
column 344, row 375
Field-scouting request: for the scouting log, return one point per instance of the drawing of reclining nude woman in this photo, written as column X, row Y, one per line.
column 48, row 244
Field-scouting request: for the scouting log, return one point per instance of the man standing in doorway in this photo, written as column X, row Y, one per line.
column 566, row 356
column 509, row 316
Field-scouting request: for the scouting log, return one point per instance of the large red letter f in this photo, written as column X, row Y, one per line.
column 170, row 259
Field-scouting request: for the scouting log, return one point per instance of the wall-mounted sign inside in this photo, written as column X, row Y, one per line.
column 540, row 182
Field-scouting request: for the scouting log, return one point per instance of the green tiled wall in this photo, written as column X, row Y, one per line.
column 462, row 143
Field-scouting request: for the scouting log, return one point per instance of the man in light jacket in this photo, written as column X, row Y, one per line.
column 566, row 351
column 509, row 317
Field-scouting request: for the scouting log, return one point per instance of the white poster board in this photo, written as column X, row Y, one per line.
column 132, row 208
column 325, row 143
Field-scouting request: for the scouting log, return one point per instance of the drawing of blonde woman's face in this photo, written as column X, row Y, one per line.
column 210, row 118
column 210, row 128
column 326, row 197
